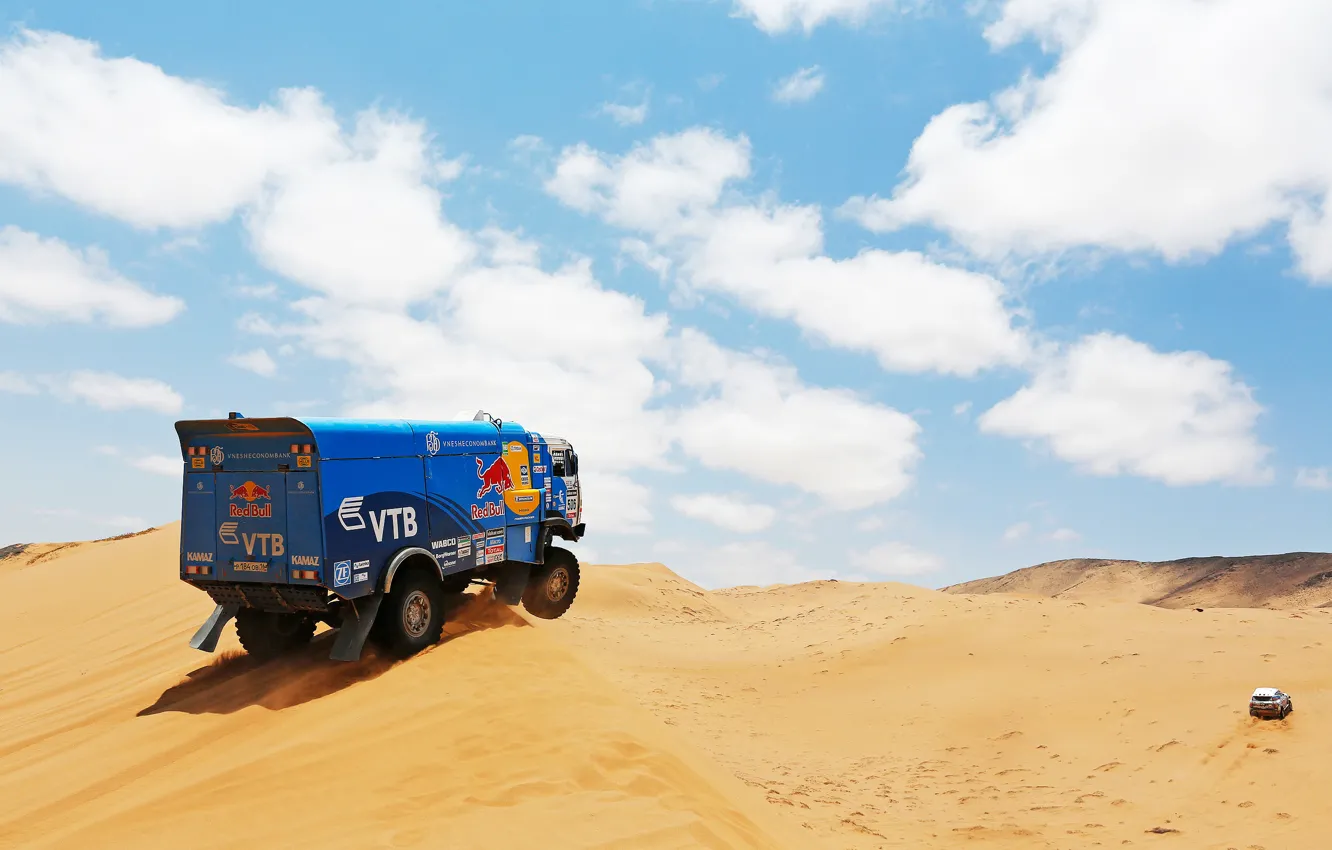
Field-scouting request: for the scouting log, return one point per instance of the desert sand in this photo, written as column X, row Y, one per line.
column 657, row 714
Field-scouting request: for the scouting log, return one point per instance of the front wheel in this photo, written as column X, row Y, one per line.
column 553, row 585
column 412, row 617
column 268, row 634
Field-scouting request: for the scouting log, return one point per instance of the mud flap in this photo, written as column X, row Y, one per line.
column 357, row 617
column 206, row 638
column 511, row 582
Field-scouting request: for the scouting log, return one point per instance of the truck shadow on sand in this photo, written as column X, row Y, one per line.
column 234, row 680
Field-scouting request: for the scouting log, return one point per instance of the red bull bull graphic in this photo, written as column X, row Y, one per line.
column 251, row 493
column 495, row 477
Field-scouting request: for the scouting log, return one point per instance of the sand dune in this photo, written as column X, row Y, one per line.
column 1293, row 580
column 657, row 714
column 113, row 733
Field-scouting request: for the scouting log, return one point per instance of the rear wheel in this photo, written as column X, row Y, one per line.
column 553, row 585
column 412, row 617
column 268, row 634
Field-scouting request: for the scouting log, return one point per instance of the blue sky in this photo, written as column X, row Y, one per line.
column 971, row 295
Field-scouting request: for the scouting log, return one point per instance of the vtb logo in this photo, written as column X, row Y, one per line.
column 250, row 493
column 402, row 520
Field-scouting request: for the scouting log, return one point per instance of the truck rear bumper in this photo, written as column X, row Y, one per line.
column 266, row 597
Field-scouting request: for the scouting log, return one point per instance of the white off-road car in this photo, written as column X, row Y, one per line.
column 1270, row 702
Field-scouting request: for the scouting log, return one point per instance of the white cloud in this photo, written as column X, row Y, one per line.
column 759, row 419
column 1316, row 478
column 596, row 354
column 113, row 392
column 354, row 215
column 45, row 279
column 624, row 115
column 655, row 187
column 1064, row 535
column 776, row 16
column 873, row 523
column 708, row 82
column 646, row 256
column 364, row 224
column 1113, row 406
column 1219, row 127
column 257, row 361
column 751, row 562
column 734, row 513
column 159, row 465
column 801, row 86
column 962, row 408
column 13, row 382
column 183, row 156
column 894, row 560
column 1017, row 531
column 913, row 314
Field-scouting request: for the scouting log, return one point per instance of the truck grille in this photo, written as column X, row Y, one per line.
column 266, row 597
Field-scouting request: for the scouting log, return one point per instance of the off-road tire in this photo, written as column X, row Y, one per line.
column 412, row 615
column 553, row 585
column 268, row 634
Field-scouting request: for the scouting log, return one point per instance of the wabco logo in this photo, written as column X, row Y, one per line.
column 304, row 560
column 250, row 493
column 402, row 521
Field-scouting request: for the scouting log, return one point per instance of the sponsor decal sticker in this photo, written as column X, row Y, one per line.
column 342, row 573
column 196, row 463
column 360, row 577
column 480, row 535
column 249, row 492
column 494, row 477
column 538, row 470
column 265, row 542
column 349, row 512
column 361, row 565
column 486, row 511
column 226, row 532
column 305, row 560
column 217, row 456
column 201, row 557
column 303, row 461
column 444, row 565
column 400, row 521
column 432, row 442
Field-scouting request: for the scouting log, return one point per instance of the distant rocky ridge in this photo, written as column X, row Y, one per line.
column 12, row 550
column 1292, row 580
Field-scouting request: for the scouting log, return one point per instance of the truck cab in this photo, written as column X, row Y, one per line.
column 288, row 522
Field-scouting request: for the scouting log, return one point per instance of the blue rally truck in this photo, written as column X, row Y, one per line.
column 372, row 526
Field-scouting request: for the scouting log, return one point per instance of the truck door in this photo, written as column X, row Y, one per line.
column 522, row 503
column 251, row 526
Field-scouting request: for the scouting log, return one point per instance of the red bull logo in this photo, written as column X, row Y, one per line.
column 495, row 477
column 251, row 493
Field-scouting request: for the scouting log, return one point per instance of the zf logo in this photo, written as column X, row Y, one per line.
column 349, row 514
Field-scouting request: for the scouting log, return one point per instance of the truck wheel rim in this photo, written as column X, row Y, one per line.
column 416, row 614
column 558, row 584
